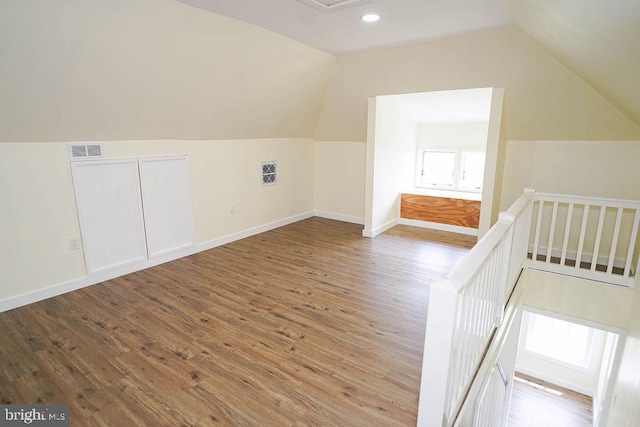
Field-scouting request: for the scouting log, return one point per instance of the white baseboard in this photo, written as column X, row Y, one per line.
column 438, row 226
column 253, row 231
column 82, row 282
column 340, row 217
column 379, row 230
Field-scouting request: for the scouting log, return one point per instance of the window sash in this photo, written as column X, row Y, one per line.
column 438, row 168
column 450, row 169
column 472, row 170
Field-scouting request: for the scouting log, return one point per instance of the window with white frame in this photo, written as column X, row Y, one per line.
column 451, row 169
column 566, row 342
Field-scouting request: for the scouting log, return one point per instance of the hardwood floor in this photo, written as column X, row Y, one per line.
column 309, row 324
column 533, row 406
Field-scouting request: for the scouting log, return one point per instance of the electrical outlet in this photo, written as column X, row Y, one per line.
column 232, row 210
column 74, row 243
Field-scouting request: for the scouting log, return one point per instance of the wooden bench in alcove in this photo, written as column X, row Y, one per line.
column 441, row 210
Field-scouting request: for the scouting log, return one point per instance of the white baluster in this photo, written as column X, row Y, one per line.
column 552, row 231
column 614, row 241
column 567, row 229
column 583, row 231
column 632, row 244
column 596, row 245
column 536, row 242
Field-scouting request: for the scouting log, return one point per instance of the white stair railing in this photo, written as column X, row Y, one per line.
column 489, row 413
column 520, row 214
column 487, row 403
column 464, row 312
column 585, row 237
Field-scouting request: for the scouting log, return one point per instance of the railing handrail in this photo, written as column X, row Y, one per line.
column 587, row 200
column 520, row 205
column 469, row 265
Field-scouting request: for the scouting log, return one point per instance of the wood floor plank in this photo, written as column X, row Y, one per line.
column 309, row 324
column 537, row 403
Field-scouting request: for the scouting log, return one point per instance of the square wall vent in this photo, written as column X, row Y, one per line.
column 328, row 6
column 84, row 151
column 269, row 173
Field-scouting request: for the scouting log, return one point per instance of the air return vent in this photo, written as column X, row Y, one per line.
column 269, row 173
column 328, row 6
column 84, row 151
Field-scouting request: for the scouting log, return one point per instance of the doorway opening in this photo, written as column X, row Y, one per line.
column 435, row 160
column 564, row 363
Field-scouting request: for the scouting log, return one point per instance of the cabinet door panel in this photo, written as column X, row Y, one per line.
column 110, row 213
column 166, row 196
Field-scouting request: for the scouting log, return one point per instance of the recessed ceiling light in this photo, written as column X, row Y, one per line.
column 372, row 17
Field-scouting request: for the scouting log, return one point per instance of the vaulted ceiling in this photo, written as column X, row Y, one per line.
column 598, row 40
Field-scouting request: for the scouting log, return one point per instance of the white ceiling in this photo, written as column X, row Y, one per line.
column 342, row 31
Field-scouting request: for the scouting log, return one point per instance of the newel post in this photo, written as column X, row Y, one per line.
column 438, row 354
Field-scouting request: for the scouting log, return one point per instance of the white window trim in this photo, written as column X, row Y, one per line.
column 457, row 175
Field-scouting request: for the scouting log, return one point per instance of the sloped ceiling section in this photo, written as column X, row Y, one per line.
column 72, row 70
column 598, row 40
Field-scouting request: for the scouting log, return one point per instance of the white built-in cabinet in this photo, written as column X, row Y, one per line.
column 131, row 210
column 166, row 198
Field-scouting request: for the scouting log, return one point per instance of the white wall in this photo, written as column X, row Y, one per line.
column 390, row 163
column 578, row 298
column 508, row 358
column 494, row 164
column 602, row 396
column 625, row 406
column 586, row 168
column 453, row 135
column 39, row 214
column 583, row 381
column 339, row 182
column 340, row 169
column 38, row 218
